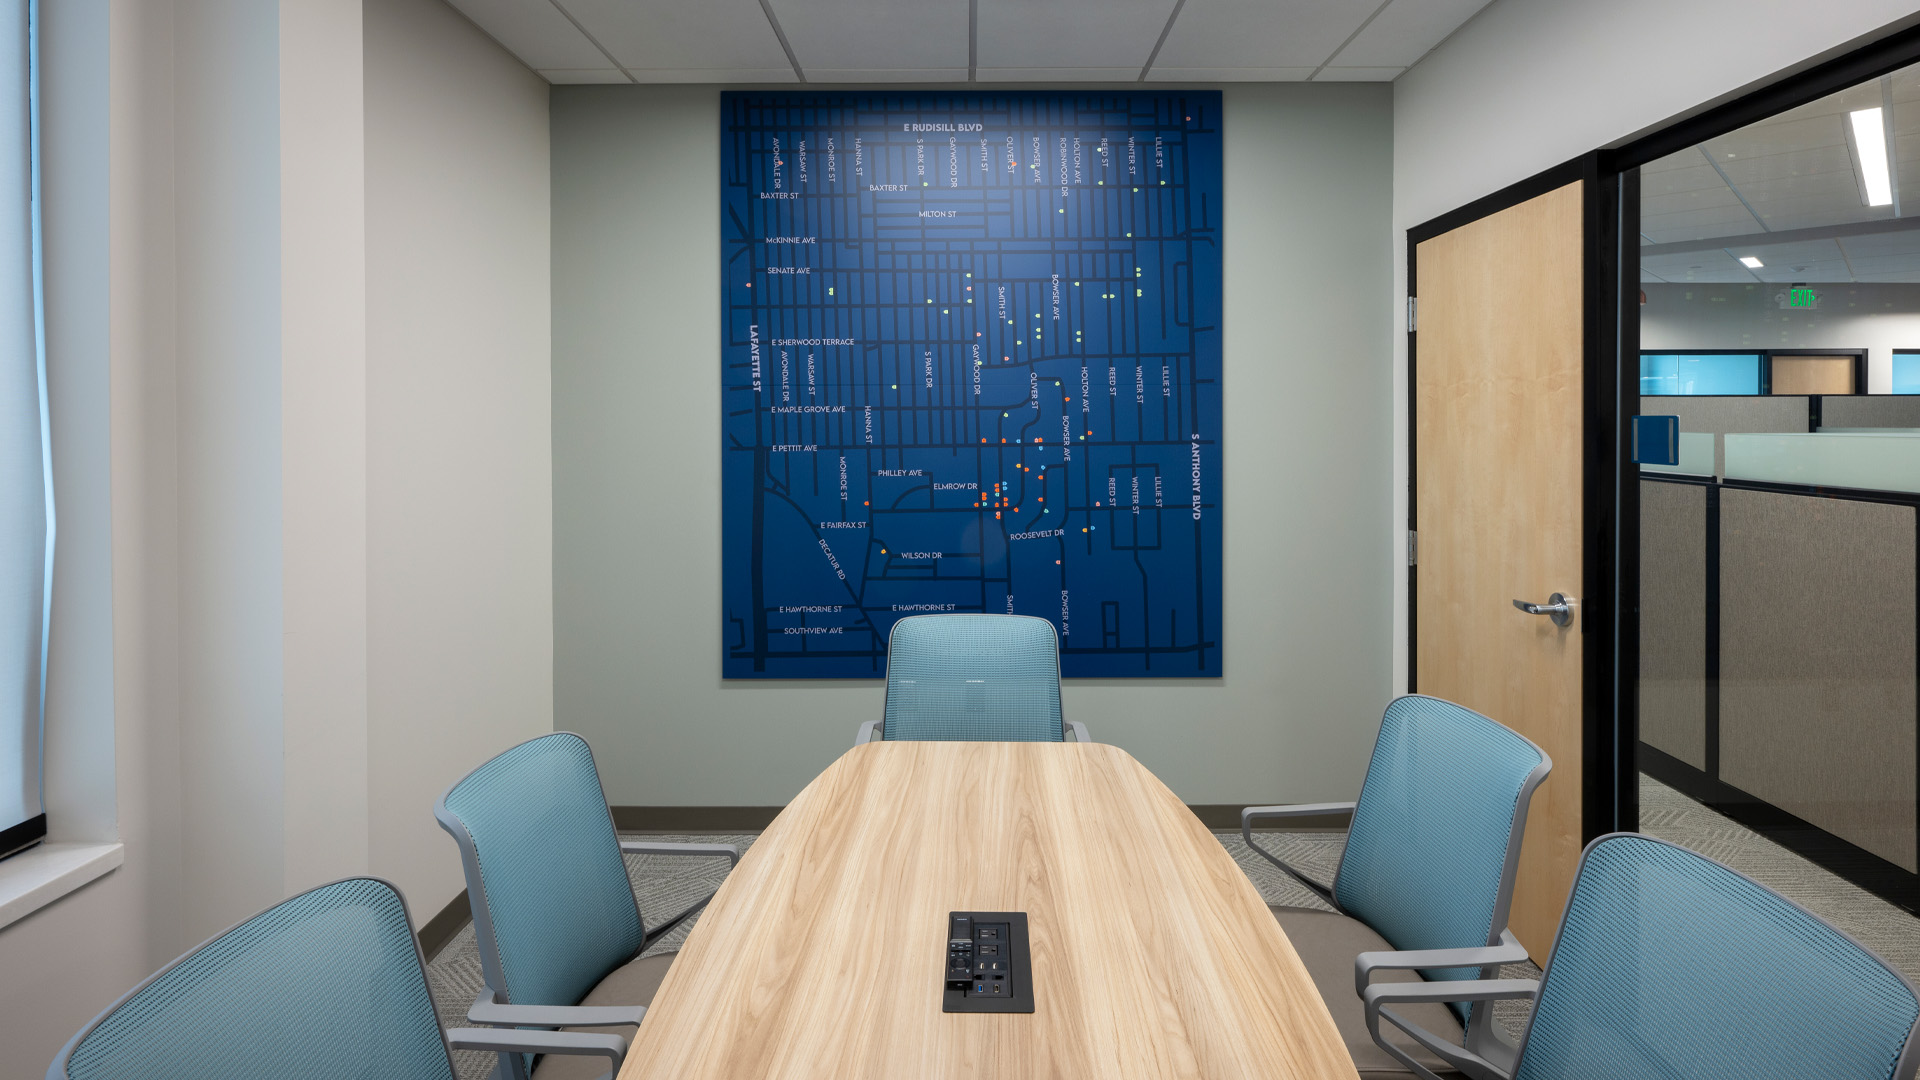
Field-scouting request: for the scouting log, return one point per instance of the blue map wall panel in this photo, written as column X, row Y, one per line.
column 971, row 363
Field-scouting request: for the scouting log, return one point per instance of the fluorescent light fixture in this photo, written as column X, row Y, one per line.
column 1870, row 138
column 1750, row 262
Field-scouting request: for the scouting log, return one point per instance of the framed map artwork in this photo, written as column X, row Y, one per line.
column 970, row 363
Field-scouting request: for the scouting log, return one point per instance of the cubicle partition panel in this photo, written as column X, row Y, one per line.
column 1780, row 661
column 1673, row 617
column 1720, row 415
column 1870, row 411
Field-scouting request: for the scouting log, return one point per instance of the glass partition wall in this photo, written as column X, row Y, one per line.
column 1779, row 617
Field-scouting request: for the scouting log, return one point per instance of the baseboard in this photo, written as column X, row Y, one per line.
column 1227, row 816
column 730, row 819
column 440, row 929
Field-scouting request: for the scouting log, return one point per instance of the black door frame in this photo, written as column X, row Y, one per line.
column 1611, row 215
column 1610, row 650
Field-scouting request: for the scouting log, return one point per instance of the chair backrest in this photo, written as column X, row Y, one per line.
column 553, row 909
column 1669, row 964
column 981, row 678
column 328, row 983
column 1435, row 839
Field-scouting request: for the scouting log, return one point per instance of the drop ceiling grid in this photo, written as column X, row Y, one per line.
column 927, row 41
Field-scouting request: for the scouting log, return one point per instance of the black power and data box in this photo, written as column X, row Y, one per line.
column 987, row 967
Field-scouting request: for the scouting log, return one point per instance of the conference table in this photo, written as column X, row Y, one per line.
column 823, row 955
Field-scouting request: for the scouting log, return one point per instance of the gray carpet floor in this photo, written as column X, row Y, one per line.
column 666, row 885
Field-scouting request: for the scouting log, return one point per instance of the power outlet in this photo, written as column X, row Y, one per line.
column 987, row 963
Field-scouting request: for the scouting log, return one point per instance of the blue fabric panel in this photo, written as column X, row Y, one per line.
column 556, row 886
column 981, row 678
column 327, row 984
column 1906, row 373
column 1671, row 965
column 1681, row 374
column 1428, row 843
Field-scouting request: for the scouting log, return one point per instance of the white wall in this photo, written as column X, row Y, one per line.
column 460, row 462
column 1528, row 84
column 1876, row 317
column 637, row 469
column 244, row 487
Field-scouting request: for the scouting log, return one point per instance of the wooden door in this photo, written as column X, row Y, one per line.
column 1811, row 374
column 1498, row 409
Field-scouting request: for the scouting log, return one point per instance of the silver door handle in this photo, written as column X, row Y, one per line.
column 1558, row 608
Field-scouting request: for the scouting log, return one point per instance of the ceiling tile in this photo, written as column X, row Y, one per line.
column 1808, row 260
column 1333, row 73
column 1878, row 245
column 1046, row 74
column 884, row 75
column 1697, row 266
column 1683, row 198
column 1261, row 33
column 904, row 38
column 581, row 76
column 1406, row 31
column 1047, row 39
column 711, row 41
column 1162, row 73
column 534, row 31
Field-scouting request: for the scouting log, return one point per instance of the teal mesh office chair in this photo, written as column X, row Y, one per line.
column 554, row 912
column 1671, row 965
column 326, row 984
column 975, row 678
column 1426, row 882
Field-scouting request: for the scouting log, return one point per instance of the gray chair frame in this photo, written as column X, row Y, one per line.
column 1479, row 1067
column 875, row 730
column 490, row 1040
column 1484, row 1041
column 492, row 1006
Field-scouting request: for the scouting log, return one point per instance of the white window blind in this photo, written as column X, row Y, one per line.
column 26, row 485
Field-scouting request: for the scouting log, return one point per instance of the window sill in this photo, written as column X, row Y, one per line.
column 40, row 875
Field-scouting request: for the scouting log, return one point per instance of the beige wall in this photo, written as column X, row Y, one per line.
column 298, row 333
column 460, row 464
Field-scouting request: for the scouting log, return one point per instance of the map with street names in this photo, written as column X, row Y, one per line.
column 971, row 363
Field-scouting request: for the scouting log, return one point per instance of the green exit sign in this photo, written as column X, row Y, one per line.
column 1802, row 297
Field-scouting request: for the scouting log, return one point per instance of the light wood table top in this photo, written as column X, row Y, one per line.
column 823, row 955
column 824, row 952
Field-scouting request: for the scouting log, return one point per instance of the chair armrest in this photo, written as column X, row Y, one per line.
column 522, row 1041
column 1251, row 814
column 1079, row 731
column 1509, row 951
column 649, row 847
column 485, row 1010
column 867, row 732
column 1441, row 992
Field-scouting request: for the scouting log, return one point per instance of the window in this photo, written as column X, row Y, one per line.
column 26, row 485
column 1682, row 374
column 1906, row 372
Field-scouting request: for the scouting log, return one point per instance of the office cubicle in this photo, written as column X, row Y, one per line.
column 1780, row 629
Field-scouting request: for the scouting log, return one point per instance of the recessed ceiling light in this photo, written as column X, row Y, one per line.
column 1750, row 262
column 1870, row 138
